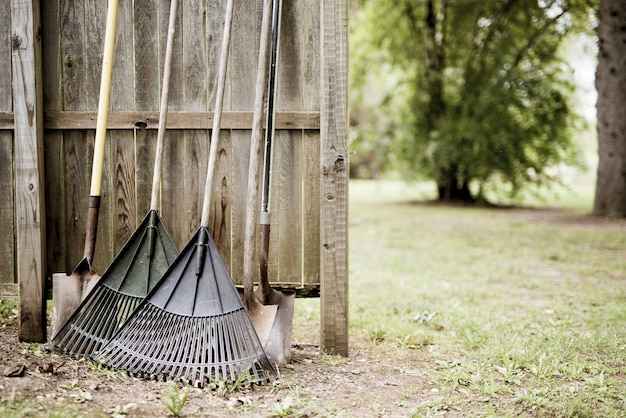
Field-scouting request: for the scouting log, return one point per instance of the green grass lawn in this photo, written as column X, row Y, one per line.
column 522, row 311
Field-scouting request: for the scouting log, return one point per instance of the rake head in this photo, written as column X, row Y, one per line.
column 192, row 327
column 134, row 272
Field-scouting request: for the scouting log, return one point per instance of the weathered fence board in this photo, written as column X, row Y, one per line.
column 309, row 190
column 8, row 282
column 334, row 162
column 29, row 169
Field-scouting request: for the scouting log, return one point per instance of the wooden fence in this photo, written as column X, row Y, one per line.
column 53, row 51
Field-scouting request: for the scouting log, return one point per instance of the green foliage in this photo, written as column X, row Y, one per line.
column 477, row 95
column 8, row 312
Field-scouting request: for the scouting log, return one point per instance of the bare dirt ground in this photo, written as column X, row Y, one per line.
column 366, row 384
column 379, row 381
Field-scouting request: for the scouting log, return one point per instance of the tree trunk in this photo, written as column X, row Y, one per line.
column 610, row 198
column 451, row 188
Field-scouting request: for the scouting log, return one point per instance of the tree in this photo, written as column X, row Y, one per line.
column 610, row 198
column 480, row 97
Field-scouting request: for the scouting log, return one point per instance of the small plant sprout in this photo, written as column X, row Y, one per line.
column 175, row 400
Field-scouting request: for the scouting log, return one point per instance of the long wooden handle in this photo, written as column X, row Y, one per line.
column 255, row 153
column 103, row 102
column 91, row 230
column 217, row 114
column 167, row 70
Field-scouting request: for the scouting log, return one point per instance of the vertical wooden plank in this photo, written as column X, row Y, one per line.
column 7, row 225
column 185, row 183
column 75, row 149
column 122, row 176
column 310, row 51
column 52, row 100
column 243, row 59
column 95, row 31
column 29, row 170
column 219, row 216
column 285, row 258
column 148, row 78
column 334, row 181
column 173, row 210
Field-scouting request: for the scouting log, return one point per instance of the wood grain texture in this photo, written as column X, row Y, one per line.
column 122, row 166
column 7, row 204
column 75, row 149
column 285, row 259
column 195, row 58
column 53, row 100
column 29, row 170
column 243, row 60
column 94, row 28
column 234, row 120
column 147, row 80
column 311, row 173
column 311, row 159
column 172, row 208
column 334, row 166
column 219, row 215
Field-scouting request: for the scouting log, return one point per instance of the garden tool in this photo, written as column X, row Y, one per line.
column 70, row 289
column 193, row 325
column 278, row 346
column 262, row 316
column 138, row 266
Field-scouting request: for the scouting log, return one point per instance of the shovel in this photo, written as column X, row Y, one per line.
column 69, row 290
column 262, row 316
column 278, row 345
column 271, row 311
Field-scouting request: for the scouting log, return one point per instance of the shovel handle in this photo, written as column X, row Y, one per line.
column 264, row 238
column 92, row 228
column 103, row 101
column 255, row 155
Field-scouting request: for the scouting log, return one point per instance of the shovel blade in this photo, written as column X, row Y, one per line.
column 68, row 291
column 278, row 345
column 263, row 318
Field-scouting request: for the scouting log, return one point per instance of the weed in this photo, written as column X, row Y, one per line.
column 98, row 370
column 175, row 400
column 225, row 387
column 291, row 405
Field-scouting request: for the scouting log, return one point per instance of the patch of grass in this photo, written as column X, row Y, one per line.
column 332, row 360
column 530, row 313
column 48, row 406
column 8, row 312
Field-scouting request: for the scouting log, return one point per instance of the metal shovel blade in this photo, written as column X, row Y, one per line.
column 68, row 291
column 278, row 344
column 262, row 317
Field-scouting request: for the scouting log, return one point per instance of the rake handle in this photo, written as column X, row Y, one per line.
column 167, row 70
column 217, row 114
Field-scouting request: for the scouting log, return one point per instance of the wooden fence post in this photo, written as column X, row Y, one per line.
column 334, row 181
column 29, row 184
